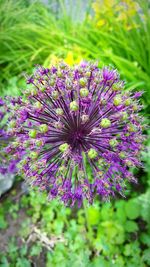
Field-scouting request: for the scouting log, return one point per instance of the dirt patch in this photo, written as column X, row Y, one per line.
column 12, row 230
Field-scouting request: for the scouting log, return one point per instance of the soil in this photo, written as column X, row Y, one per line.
column 12, row 230
column 14, row 226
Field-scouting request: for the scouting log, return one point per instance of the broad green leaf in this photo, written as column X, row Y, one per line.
column 145, row 239
column 120, row 212
column 131, row 226
column 127, row 250
column 93, row 215
column 132, row 209
column 146, row 256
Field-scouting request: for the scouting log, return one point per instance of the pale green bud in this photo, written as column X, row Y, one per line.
column 23, row 162
column 42, row 89
column 39, row 143
column 127, row 102
column 84, row 92
column 135, row 107
column 122, row 155
column 101, row 161
column 69, row 85
column 105, row 123
column 81, row 174
column 124, row 115
column 59, row 74
column 27, row 92
column 64, row 147
column 103, row 102
column 33, row 155
column 117, row 100
column 106, row 185
column 38, row 105
column 82, row 81
column 74, row 106
column 129, row 163
column 132, row 128
column 52, row 82
column 34, row 167
column 26, row 143
column 12, row 124
column 55, row 94
column 58, row 125
column 15, row 144
column 62, row 169
column 87, row 74
column 43, row 128
column 113, row 142
column 59, row 111
column 92, row 153
column 59, row 180
column 33, row 92
column 32, row 133
column 116, row 87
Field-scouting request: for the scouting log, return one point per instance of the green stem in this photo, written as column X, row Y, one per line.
column 87, row 222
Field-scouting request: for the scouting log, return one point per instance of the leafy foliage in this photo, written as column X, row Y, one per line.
column 111, row 235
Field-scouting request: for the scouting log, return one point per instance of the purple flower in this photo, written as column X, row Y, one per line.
column 78, row 132
column 6, row 166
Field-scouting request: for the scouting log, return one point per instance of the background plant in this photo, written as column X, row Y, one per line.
column 34, row 33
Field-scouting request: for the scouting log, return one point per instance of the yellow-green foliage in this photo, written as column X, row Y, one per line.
column 109, row 13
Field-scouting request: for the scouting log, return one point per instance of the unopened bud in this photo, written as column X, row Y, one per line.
column 105, row 123
column 92, row 153
column 74, row 106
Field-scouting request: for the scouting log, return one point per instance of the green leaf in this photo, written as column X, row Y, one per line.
column 22, row 262
column 145, row 205
column 132, row 209
column 107, row 211
column 120, row 213
column 127, row 250
column 93, row 215
column 145, row 239
column 131, row 226
column 3, row 222
column 35, row 250
column 4, row 262
column 58, row 226
column 23, row 250
column 119, row 262
column 100, row 262
column 114, row 232
column 146, row 256
column 132, row 249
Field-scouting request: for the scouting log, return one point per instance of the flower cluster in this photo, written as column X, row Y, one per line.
column 5, row 165
column 77, row 132
column 109, row 13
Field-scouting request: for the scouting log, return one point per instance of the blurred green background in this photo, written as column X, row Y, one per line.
column 33, row 231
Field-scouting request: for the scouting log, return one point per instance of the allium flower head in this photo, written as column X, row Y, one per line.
column 78, row 131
